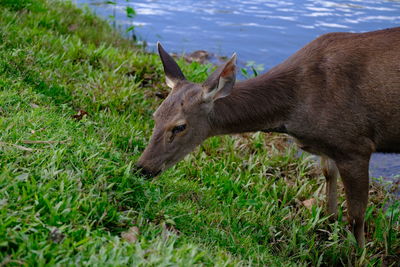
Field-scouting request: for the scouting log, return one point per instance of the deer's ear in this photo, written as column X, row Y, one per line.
column 173, row 73
column 220, row 83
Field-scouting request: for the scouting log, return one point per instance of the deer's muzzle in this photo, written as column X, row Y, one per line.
column 146, row 173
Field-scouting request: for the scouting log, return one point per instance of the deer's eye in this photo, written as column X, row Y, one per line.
column 178, row 129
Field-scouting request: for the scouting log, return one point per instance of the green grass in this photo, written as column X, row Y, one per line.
column 68, row 200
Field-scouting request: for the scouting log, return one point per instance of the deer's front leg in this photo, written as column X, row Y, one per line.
column 354, row 173
column 331, row 174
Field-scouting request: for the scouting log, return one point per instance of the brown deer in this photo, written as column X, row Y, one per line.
column 339, row 97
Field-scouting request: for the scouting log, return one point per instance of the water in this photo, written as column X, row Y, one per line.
column 265, row 32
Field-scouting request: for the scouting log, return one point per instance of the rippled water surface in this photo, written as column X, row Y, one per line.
column 266, row 32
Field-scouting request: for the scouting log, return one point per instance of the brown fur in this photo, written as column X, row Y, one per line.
column 339, row 97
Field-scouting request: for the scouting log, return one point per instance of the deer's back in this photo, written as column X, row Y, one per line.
column 348, row 87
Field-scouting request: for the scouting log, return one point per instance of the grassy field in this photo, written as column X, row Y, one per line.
column 68, row 192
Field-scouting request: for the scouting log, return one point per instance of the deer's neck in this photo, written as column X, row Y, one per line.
column 262, row 103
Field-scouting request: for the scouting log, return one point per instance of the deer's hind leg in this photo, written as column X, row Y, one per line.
column 331, row 174
column 354, row 173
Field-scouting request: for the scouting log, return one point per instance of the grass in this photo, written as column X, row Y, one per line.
column 74, row 199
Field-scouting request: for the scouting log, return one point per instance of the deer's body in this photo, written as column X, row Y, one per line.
column 341, row 86
column 339, row 97
column 349, row 93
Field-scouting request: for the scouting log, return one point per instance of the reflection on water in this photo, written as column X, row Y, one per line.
column 259, row 30
column 262, row 31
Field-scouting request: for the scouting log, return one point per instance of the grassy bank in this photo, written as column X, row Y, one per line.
column 68, row 193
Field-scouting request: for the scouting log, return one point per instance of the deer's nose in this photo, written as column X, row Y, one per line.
column 146, row 173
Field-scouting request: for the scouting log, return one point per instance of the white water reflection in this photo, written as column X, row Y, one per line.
column 293, row 23
column 331, row 25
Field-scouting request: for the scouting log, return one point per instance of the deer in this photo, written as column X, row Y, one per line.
column 338, row 97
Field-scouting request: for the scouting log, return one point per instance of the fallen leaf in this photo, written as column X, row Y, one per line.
column 56, row 236
column 309, row 203
column 22, row 177
column 131, row 235
column 79, row 116
column 169, row 230
column 33, row 105
column 72, row 27
column 38, row 130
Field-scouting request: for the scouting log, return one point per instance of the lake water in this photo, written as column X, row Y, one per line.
column 264, row 32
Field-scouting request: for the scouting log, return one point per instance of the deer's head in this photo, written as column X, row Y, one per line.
column 182, row 120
